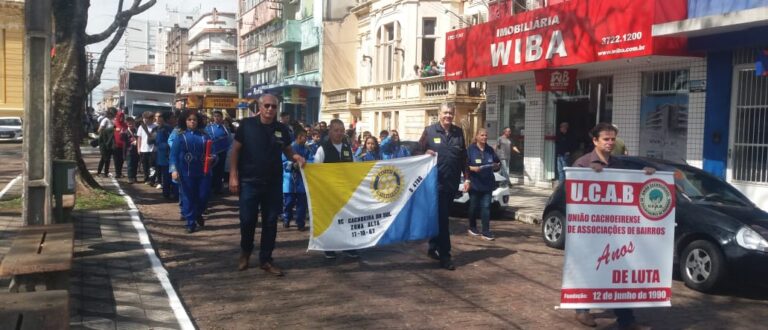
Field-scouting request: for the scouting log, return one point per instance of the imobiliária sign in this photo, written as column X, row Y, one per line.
column 619, row 239
column 565, row 34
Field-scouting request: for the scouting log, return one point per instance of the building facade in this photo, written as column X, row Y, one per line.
column 139, row 43
column 734, row 141
column 280, row 51
column 210, row 81
column 12, row 58
column 399, row 78
column 176, row 53
column 581, row 63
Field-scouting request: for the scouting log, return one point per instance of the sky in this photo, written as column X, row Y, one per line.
column 102, row 13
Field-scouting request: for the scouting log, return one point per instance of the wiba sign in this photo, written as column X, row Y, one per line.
column 566, row 34
column 563, row 80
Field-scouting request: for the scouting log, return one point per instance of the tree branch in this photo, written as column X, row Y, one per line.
column 95, row 78
column 121, row 18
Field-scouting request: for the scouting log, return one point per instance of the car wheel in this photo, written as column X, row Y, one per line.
column 702, row 266
column 553, row 229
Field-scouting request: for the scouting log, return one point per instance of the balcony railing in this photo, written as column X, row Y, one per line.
column 421, row 89
column 343, row 97
column 208, row 87
column 289, row 35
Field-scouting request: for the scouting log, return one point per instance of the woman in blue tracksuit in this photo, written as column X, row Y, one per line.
column 370, row 150
column 391, row 147
column 186, row 162
column 294, row 193
column 482, row 162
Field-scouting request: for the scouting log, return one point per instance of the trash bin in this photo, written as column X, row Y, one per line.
column 63, row 184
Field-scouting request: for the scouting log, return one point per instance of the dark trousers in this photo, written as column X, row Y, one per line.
column 132, row 158
column 480, row 204
column 106, row 156
column 255, row 197
column 146, row 163
column 299, row 200
column 218, row 173
column 442, row 242
column 194, row 197
column 117, row 156
column 169, row 189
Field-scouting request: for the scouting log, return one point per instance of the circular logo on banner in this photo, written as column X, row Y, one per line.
column 387, row 184
column 655, row 200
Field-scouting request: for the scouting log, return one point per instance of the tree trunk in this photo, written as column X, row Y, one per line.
column 68, row 80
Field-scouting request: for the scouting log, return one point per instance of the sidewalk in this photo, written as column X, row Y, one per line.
column 527, row 203
column 114, row 283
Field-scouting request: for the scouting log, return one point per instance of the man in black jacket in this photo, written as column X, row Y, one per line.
column 447, row 142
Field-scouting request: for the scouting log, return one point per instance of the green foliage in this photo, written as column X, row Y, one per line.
column 99, row 200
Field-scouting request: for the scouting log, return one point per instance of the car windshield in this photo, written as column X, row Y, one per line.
column 10, row 122
column 700, row 186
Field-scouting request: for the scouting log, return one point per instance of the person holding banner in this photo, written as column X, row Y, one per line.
column 255, row 174
column 604, row 138
column 187, row 162
column 445, row 140
column 335, row 150
column 482, row 162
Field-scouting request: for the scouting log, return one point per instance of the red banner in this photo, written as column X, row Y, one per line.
column 563, row 80
column 569, row 33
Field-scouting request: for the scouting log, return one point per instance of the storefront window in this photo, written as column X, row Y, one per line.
column 664, row 115
column 513, row 116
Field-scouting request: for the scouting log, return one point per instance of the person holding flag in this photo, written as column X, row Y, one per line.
column 189, row 163
column 446, row 141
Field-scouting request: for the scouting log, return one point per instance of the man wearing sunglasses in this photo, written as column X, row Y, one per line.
column 256, row 175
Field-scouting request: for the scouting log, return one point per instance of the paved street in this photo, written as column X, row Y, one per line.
column 11, row 166
column 510, row 283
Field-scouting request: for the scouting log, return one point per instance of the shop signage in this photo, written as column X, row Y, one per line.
column 295, row 96
column 561, row 80
column 620, row 235
column 220, row 103
column 568, row 33
column 193, row 102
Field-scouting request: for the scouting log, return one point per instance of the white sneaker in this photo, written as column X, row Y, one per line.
column 473, row 232
column 159, row 186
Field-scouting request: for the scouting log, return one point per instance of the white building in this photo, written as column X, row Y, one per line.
column 395, row 41
column 211, row 78
column 139, row 43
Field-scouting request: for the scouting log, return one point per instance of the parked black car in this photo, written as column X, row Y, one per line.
column 719, row 233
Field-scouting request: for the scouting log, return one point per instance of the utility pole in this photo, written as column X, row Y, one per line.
column 36, row 208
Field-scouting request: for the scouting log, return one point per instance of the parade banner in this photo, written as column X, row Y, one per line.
column 364, row 204
column 619, row 239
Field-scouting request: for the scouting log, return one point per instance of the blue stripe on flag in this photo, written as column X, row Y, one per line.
column 418, row 218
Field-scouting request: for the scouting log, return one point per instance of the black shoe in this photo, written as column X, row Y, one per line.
column 433, row 254
column 330, row 255
column 200, row 222
column 190, row 230
column 286, row 224
column 447, row 264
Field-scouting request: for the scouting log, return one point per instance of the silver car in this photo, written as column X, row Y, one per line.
column 10, row 129
column 499, row 198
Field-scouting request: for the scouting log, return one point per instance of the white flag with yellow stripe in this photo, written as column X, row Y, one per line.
column 359, row 205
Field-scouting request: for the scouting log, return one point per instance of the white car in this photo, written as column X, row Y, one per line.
column 10, row 129
column 499, row 198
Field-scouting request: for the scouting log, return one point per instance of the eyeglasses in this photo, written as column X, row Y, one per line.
column 267, row 106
